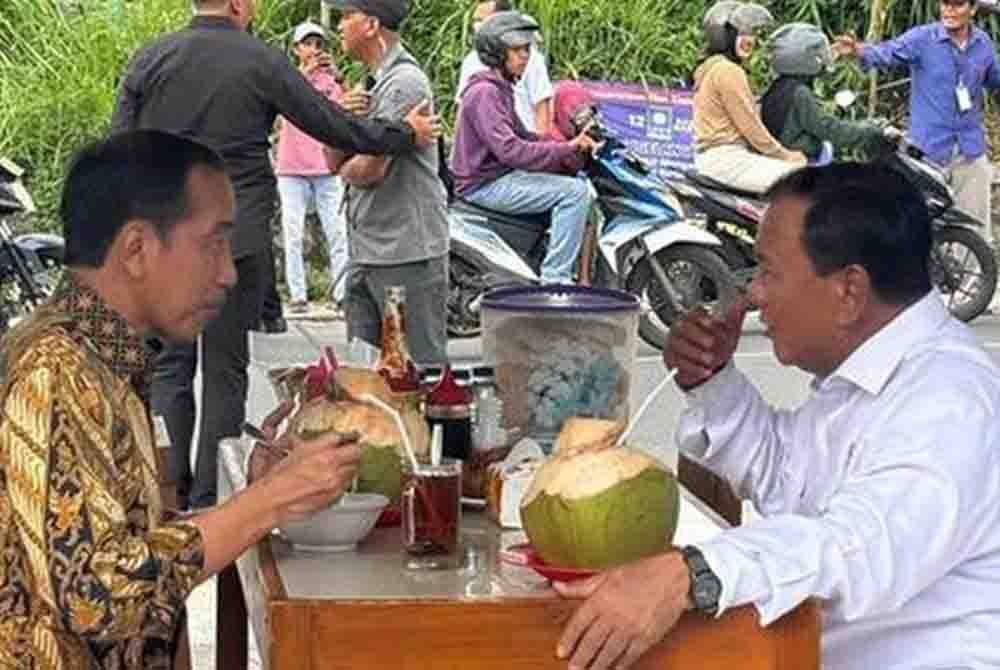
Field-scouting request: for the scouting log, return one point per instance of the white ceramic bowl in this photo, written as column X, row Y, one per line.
column 339, row 527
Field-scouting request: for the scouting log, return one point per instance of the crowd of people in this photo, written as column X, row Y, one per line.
column 880, row 496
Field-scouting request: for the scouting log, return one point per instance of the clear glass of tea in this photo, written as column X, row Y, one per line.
column 432, row 514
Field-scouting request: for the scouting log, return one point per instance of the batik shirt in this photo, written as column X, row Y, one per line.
column 89, row 575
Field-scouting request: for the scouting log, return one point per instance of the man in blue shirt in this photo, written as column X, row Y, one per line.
column 951, row 62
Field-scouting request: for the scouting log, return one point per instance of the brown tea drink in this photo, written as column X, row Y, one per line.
column 432, row 514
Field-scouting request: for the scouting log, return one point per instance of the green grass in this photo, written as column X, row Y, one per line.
column 61, row 60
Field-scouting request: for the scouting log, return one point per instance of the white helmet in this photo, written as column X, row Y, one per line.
column 728, row 16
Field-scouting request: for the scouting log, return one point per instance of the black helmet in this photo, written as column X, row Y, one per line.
column 503, row 31
column 728, row 18
column 800, row 49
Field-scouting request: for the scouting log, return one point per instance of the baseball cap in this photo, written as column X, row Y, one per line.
column 390, row 13
column 305, row 29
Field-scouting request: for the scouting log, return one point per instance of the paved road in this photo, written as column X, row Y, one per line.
column 781, row 386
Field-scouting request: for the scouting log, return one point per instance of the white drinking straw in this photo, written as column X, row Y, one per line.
column 635, row 417
column 437, row 444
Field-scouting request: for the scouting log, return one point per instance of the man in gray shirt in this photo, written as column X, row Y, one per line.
column 396, row 206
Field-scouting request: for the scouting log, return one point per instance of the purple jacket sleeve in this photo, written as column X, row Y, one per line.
column 903, row 51
column 497, row 131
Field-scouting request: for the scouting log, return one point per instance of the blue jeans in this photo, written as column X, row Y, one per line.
column 569, row 198
column 296, row 195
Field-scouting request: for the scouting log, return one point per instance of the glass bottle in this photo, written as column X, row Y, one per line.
column 450, row 405
column 395, row 363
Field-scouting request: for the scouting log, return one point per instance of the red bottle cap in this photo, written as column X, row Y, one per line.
column 447, row 392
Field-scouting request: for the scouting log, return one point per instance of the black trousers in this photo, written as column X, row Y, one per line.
column 271, row 308
column 225, row 358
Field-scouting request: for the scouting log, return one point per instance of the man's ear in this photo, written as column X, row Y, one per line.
column 854, row 293
column 132, row 248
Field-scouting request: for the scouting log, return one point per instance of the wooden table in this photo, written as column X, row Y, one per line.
column 364, row 610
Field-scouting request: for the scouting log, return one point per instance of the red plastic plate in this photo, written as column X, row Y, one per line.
column 525, row 555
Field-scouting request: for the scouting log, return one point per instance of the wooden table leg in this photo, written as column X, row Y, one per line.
column 711, row 489
column 231, row 628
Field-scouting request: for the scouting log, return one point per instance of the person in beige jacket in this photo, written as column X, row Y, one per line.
column 731, row 143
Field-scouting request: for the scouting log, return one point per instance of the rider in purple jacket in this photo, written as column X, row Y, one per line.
column 500, row 165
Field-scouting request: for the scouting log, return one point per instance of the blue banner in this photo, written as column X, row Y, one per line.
column 654, row 122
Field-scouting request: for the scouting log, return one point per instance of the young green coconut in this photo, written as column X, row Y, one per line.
column 594, row 505
column 343, row 410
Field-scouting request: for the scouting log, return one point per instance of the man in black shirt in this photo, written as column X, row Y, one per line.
column 216, row 83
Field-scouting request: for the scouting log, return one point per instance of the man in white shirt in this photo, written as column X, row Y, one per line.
column 532, row 94
column 880, row 495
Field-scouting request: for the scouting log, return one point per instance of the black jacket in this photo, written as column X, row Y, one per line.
column 220, row 85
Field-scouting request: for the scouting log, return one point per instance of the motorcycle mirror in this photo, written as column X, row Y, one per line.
column 844, row 98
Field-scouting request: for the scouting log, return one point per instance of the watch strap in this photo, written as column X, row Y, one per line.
column 706, row 588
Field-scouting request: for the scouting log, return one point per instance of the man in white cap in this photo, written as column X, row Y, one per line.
column 304, row 177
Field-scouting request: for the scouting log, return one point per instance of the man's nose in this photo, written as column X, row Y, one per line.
column 227, row 273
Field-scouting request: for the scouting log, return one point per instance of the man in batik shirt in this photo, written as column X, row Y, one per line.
column 91, row 576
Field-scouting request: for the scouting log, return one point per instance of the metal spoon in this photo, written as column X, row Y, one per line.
column 262, row 439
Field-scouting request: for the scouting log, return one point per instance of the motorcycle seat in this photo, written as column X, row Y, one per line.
column 529, row 221
column 714, row 184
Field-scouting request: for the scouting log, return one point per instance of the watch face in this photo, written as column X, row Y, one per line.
column 707, row 592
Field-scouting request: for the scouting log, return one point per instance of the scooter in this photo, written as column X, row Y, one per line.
column 962, row 265
column 644, row 245
column 30, row 264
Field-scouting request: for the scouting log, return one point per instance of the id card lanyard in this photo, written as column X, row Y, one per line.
column 963, row 99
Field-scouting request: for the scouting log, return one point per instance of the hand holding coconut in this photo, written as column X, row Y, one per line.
column 701, row 344
column 313, row 475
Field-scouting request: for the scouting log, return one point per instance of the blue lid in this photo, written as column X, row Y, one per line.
column 560, row 298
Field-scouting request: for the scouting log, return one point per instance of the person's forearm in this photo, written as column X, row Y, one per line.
column 230, row 529
column 729, row 428
column 543, row 117
column 331, row 124
column 364, row 170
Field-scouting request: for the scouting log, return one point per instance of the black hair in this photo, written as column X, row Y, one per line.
column 728, row 45
column 867, row 215
column 502, row 5
column 132, row 175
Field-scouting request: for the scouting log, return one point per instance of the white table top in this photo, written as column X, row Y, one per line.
column 375, row 571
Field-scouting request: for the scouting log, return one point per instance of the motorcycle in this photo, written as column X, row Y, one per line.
column 962, row 265
column 30, row 264
column 638, row 241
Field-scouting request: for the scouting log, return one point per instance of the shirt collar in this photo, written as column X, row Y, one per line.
column 941, row 35
column 96, row 325
column 872, row 364
column 388, row 59
column 212, row 21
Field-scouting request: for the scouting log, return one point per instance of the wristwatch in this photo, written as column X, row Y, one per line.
column 705, row 586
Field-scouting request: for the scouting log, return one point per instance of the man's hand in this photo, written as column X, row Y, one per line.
column 847, row 45
column 314, row 474
column 799, row 158
column 700, row 344
column 427, row 126
column 318, row 61
column 356, row 101
column 584, row 143
column 627, row 610
column 263, row 459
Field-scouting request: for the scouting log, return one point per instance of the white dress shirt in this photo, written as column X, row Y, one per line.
column 880, row 497
column 533, row 87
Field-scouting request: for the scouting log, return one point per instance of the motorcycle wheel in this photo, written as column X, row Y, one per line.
column 964, row 270
column 698, row 274
column 464, row 288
